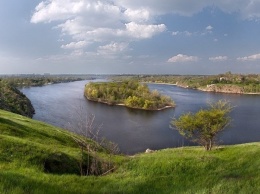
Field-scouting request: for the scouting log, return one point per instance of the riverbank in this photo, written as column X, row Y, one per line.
column 38, row 158
column 229, row 89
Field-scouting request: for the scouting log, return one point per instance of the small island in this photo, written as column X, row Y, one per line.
column 131, row 94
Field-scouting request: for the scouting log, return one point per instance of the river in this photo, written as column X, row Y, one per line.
column 64, row 105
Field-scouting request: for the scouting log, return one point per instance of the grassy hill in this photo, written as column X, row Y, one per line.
column 38, row 158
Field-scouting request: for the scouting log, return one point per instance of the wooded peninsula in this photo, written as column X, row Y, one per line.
column 131, row 94
column 223, row 83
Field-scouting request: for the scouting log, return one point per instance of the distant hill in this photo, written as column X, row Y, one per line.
column 11, row 99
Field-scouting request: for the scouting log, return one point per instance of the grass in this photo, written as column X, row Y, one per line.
column 26, row 145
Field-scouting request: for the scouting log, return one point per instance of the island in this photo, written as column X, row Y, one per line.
column 127, row 93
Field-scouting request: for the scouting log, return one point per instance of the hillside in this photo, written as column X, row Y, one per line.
column 11, row 99
column 38, row 158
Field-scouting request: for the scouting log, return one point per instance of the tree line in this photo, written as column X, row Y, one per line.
column 27, row 81
column 248, row 83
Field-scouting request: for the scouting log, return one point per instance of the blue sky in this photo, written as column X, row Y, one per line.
column 130, row 36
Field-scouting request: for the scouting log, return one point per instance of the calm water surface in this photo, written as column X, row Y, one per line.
column 134, row 130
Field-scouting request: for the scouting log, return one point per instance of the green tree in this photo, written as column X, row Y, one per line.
column 202, row 127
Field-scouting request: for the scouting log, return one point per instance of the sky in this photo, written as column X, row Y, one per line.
column 129, row 36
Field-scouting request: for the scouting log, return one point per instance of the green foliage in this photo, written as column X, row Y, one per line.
column 130, row 93
column 245, row 83
column 203, row 126
column 11, row 99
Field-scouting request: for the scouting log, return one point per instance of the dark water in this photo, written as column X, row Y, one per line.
column 134, row 131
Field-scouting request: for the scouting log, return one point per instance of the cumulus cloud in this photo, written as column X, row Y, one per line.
column 75, row 45
column 143, row 31
column 86, row 22
column 112, row 48
column 250, row 58
column 218, row 58
column 137, row 15
column 182, row 58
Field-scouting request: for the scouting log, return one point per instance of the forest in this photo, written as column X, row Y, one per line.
column 132, row 94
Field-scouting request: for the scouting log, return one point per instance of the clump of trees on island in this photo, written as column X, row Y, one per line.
column 129, row 93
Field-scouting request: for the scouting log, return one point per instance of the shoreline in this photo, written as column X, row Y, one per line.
column 204, row 90
column 243, row 93
column 121, row 104
column 160, row 83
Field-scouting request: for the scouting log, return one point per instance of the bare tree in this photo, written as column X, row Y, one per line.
column 90, row 143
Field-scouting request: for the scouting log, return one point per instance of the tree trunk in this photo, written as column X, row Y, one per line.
column 210, row 144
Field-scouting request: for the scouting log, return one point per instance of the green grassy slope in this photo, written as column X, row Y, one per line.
column 26, row 145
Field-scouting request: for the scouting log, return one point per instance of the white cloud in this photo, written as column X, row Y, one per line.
column 176, row 33
column 112, row 48
column 185, row 33
column 75, row 45
column 209, row 28
column 183, row 58
column 143, row 31
column 87, row 22
column 137, row 15
column 136, row 10
column 249, row 9
column 250, row 58
column 52, row 10
column 219, row 58
column 185, row 8
column 59, row 10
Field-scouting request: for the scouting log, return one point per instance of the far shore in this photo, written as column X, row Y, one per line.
column 244, row 93
column 161, row 83
column 203, row 90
